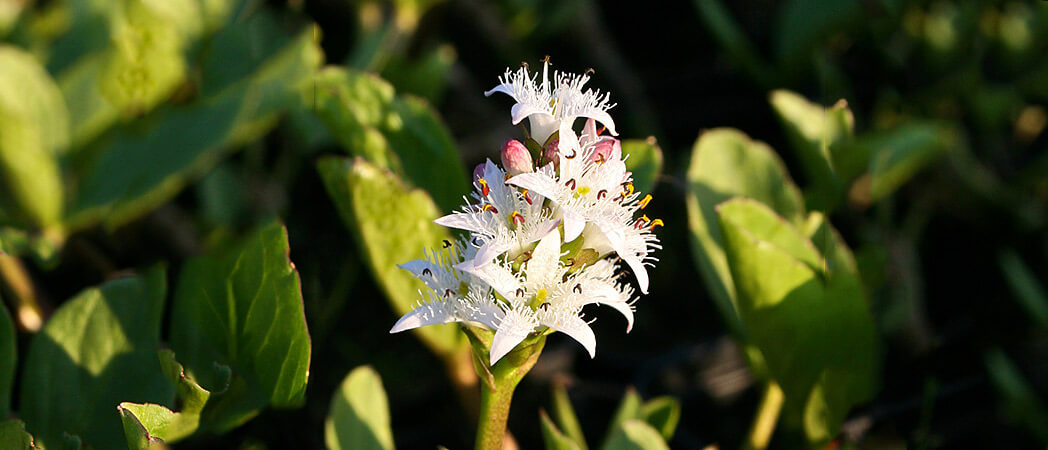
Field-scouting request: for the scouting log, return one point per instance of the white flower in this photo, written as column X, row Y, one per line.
column 545, row 293
column 595, row 198
column 553, row 104
column 505, row 220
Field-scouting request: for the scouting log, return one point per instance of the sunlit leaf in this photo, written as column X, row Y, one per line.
column 399, row 133
column 392, row 224
column 663, row 414
column 725, row 163
column 141, row 168
column 644, row 159
column 635, row 434
column 553, row 437
column 359, row 414
column 14, row 436
column 566, row 418
column 240, row 305
column 34, row 129
column 78, row 367
column 629, row 409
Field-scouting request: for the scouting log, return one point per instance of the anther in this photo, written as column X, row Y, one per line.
column 524, row 64
column 546, row 60
column 656, row 223
column 644, row 202
column 427, row 272
column 527, row 197
column 602, row 193
column 448, row 293
column 577, row 289
column 516, row 218
column 489, row 207
column 627, row 189
column 484, row 190
column 590, row 71
column 520, row 292
column 570, row 184
column 544, row 306
column 572, row 155
column 447, row 243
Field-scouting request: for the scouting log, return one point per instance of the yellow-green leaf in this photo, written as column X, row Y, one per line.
column 359, row 414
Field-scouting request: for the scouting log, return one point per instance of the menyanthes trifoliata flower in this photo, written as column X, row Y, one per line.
column 545, row 233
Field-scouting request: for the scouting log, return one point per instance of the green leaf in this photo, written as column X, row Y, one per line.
column 34, row 129
column 816, row 134
column 803, row 24
column 810, row 321
column 399, row 133
column 240, row 305
column 14, row 436
column 359, row 415
column 78, row 367
column 635, row 434
column 729, row 35
column 1024, row 286
column 8, row 358
column 725, row 163
column 644, row 160
column 553, row 438
column 663, row 414
column 566, row 418
column 392, row 225
column 146, row 424
column 139, row 169
column 1019, row 399
column 899, row 154
column 629, row 409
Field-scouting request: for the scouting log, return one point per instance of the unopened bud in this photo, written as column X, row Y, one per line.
column 606, row 149
column 549, row 154
column 516, row 158
column 478, row 172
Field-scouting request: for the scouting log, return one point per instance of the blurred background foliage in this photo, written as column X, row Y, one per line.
column 163, row 137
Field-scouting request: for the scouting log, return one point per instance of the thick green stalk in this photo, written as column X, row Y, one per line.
column 494, row 411
column 498, row 382
column 766, row 418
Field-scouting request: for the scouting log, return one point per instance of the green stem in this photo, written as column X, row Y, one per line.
column 767, row 415
column 494, row 411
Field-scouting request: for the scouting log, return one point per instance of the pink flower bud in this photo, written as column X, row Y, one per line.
column 516, row 158
column 478, row 172
column 606, row 149
column 549, row 154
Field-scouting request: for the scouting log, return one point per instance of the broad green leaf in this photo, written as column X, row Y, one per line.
column 90, row 112
column 399, row 133
column 34, row 129
column 1019, row 398
column 139, row 169
column 425, row 76
column 14, row 436
column 725, row 163
column 635, row 434
column 816, row 133
column 147, row 424
column 644, row 160
column 359, row 415
column 553, row 438
column 97, row 350
column 803, row 24
column 8, row 357
column 899, row 154
column 566, row 418
column 240, row 305
column 392, row 224
column 629, row 409
column 1024, row 286
column 810, row 322
column 663, row 414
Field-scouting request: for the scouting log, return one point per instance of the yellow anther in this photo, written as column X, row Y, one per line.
column 489, row 207
column 644, row 218
column 507, row 177
column 484, row 190
column 515, row 218
column 627, row 189
column 656, row 223
column 644, row 202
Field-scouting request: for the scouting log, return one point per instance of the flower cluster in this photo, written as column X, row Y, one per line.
column 544, row 239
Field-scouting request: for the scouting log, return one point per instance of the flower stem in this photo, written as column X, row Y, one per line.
column 498, row 381
column 494, row 411
column 767, row 415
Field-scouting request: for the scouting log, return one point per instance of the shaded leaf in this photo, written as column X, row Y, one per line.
column 77, row 368
column 803, row 24
column 392, row 224
column 240, row 305
column 140, row 169
column 1025, row 287
column 644, row 160
column 399, row 133
column 635, row 434
column 359, row 415
column 553, row 438
column 725, row 163
column 566, row 418
column 14, row 436
column 34, row 129
column 899, row 154
column 629, row 409
column 8, row 358
column 663, row 414
column 1018, row 396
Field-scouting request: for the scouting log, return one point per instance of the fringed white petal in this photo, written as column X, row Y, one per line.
column 500, row 278
column 573, row 325
column 431, row 313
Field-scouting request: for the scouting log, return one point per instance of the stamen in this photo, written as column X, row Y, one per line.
column 544, row 306
column 656, row 223
column 426, row 271
column 527, row 197
column 447, row 243
column 516, row 218
column 484, row 190
column 644, row 202
column 590, row 71
column 570, row 184
column 572, row 155
column 520, row 292
column 577, row 289
column 602, row 193
column 489, row 207
column 448, row 293
column 627, row 189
